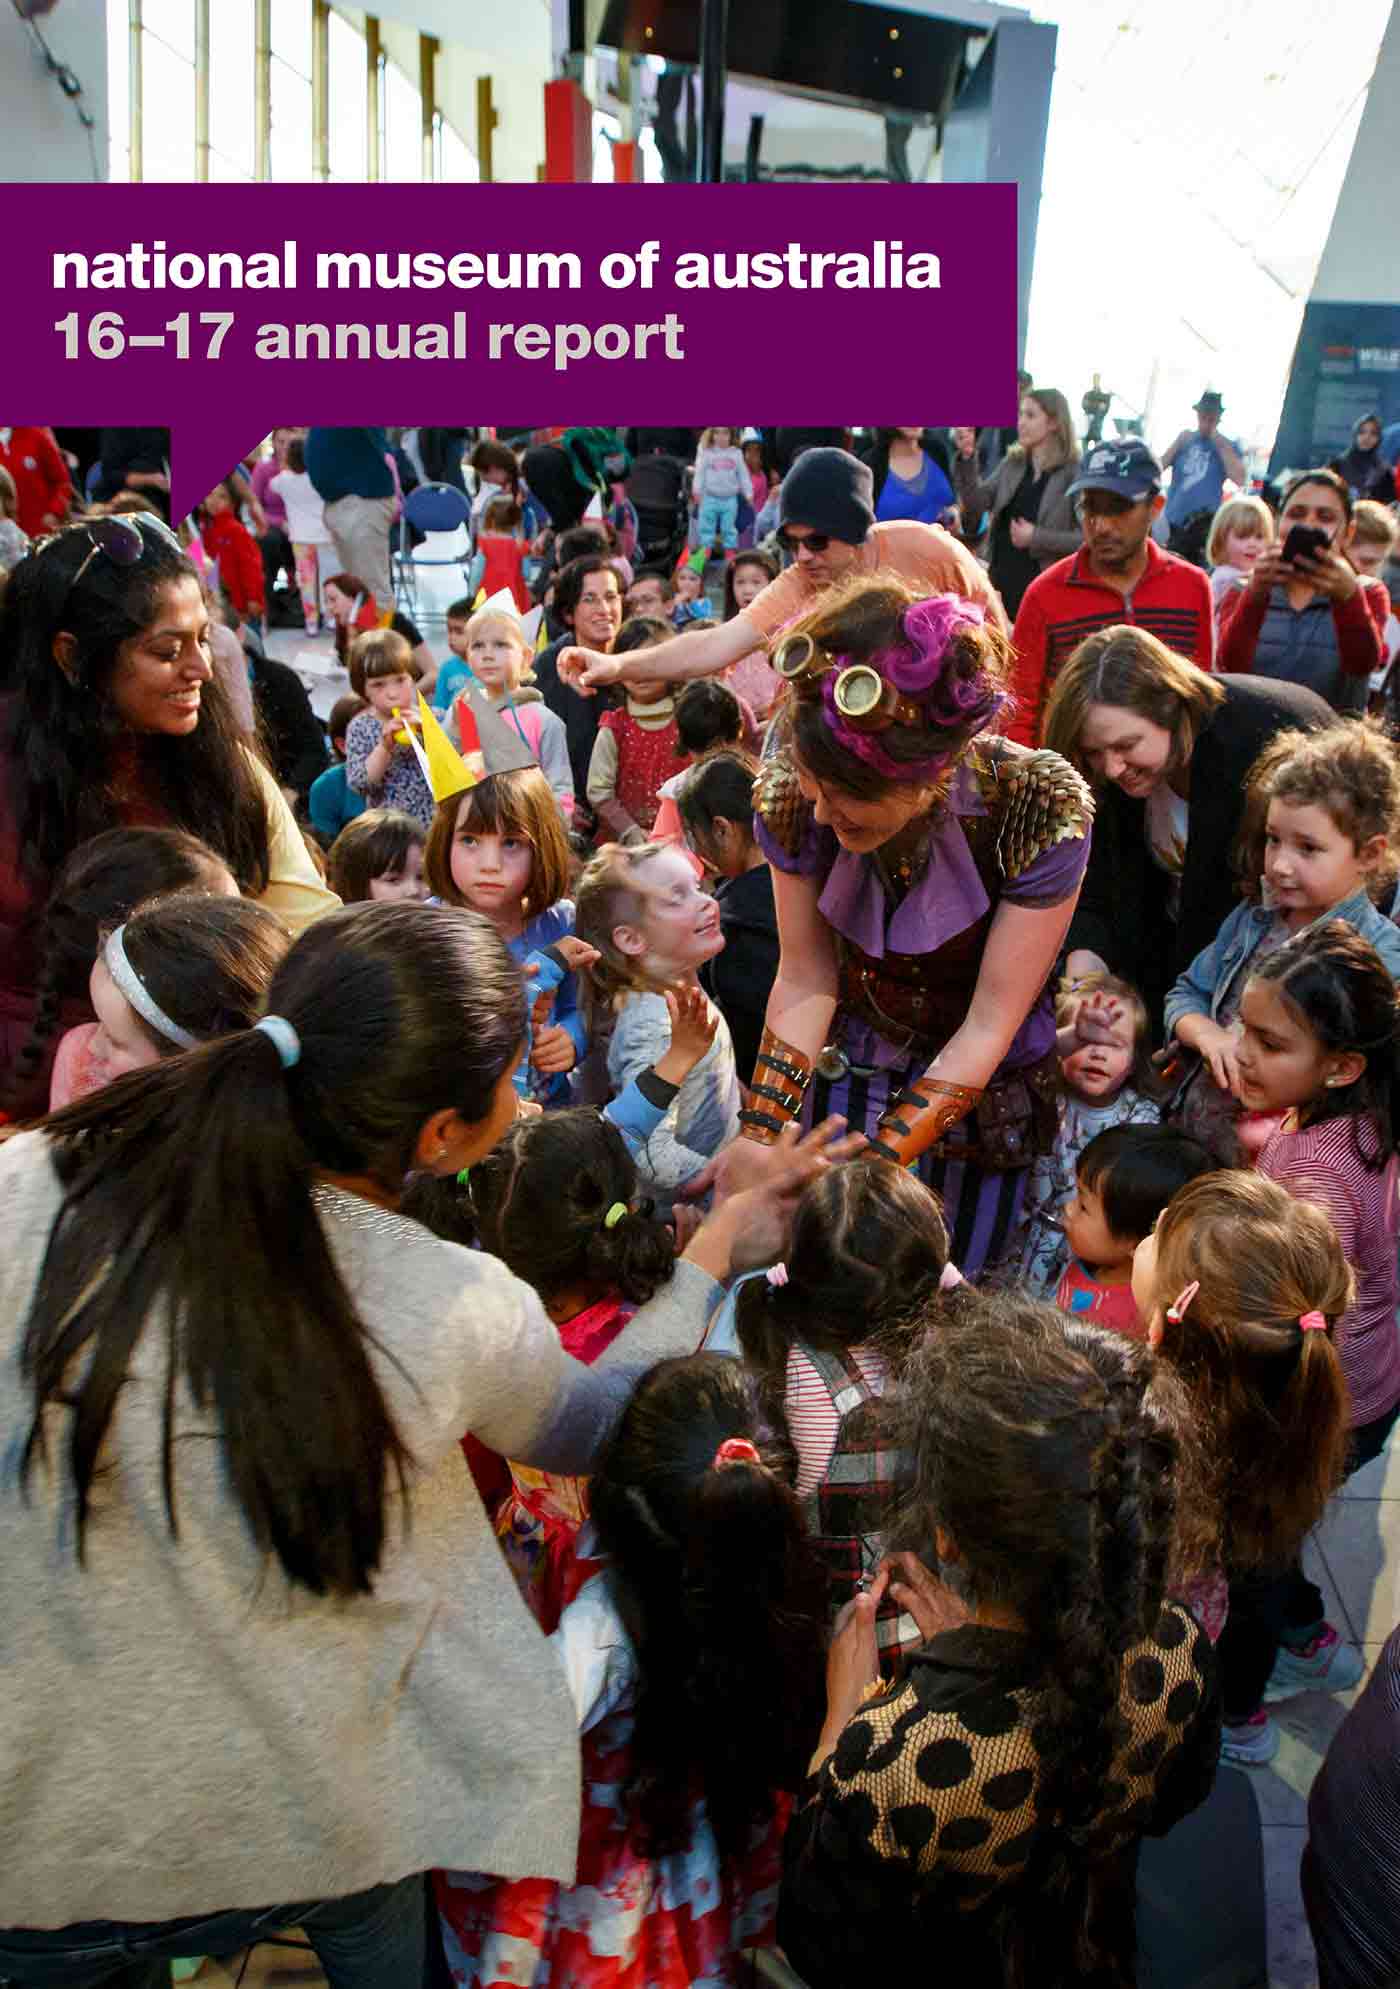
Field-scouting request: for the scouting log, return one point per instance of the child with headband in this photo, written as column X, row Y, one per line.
column 692, row 1641
column 178, row 972
column 1244, row 1291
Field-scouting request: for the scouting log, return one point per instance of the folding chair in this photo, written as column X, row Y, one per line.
column 431, row 507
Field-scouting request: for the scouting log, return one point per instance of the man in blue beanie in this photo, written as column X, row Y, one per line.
column 826, row 513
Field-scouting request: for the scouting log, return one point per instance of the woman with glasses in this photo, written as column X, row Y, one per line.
column 924, row 872
column 828, row 528
column 111, row 713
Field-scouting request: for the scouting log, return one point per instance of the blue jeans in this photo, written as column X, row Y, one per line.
column 719, row 518
column 370, row 1940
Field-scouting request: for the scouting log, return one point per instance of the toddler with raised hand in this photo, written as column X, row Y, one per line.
column 1104, row 1042
column 1244, row 1292
column 1321, row 829
column 653, row 928
column 691, row 1637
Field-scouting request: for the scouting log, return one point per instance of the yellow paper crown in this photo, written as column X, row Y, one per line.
column 446, row 770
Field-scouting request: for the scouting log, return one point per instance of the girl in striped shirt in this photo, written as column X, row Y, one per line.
column 1319, row 1045
column 826, row 1335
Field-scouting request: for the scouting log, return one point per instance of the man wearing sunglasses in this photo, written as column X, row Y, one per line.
column 1118, row 575
column 827, row 526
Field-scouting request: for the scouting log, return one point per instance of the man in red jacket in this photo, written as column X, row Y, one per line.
column 1118, row 575
column 45, row 489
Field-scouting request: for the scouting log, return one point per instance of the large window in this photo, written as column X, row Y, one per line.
column 348, row 85
column 290, row 92
column 155, row 67
column 232, row 90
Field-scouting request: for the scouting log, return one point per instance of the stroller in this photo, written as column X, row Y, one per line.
column 659, row 494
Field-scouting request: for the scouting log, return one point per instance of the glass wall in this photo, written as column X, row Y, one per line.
column 154, row 64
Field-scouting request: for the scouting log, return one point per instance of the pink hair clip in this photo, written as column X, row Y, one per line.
column 776, row 1275
column 735, row 1450
column 1312, row 1322
column 1176, row 1311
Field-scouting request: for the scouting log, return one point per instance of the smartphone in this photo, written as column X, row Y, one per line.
column 1305, row 542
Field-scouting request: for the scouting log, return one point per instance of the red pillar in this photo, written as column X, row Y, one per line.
column 568, row 132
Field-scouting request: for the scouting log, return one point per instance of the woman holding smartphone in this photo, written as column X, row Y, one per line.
column 1307, row 616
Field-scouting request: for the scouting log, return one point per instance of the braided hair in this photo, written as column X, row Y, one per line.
column 1037, row 1451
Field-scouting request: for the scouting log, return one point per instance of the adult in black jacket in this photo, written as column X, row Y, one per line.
column 1167, row 748
column 295, row 737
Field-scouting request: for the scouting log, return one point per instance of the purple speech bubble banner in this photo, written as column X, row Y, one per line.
column 219, row 311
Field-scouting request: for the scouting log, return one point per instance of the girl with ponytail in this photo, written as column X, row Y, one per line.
column 987, row 1809
column 557, row 1202
column 692, row 1642
column 235, row 1382
column 1249, row 1295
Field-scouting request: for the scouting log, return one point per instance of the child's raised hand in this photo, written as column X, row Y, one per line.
column 576, row 953
column 693, row 1026
column 1097, row 1018
column 552, row 1051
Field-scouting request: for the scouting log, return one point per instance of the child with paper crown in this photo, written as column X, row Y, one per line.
column 690, row 602
column 497, row 654
column 497, row 846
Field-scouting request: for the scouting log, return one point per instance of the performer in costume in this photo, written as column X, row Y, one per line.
column 925, row 871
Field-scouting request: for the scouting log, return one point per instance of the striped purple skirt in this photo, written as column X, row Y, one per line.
column 981, row 1208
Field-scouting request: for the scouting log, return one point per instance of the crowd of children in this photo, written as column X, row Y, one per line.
column 1220, row 1197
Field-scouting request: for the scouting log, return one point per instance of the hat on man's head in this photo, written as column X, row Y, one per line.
column 1210, row 403
column 831, row 491
column 1127, row 467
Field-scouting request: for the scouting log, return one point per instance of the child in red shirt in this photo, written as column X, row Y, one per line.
column 638, row 748
column 1125, row 1177
column 229, row 542
column 500, row 553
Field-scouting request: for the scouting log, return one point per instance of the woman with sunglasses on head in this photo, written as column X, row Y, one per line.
column 925, row 872
column 827, row 526
column 111, row 713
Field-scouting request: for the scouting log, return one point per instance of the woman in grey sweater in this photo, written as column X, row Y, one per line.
column 1029, row 512
column 263, row 1662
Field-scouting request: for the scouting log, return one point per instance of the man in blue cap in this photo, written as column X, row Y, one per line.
column 1118, row 575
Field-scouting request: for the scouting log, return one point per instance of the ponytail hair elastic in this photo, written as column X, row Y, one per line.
column 284, row 1038
column 134, row 990
column 1312, row 1322
column 615, row 1214
column 735, row 1450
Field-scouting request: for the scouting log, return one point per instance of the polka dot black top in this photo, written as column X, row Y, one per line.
column 919, row 1852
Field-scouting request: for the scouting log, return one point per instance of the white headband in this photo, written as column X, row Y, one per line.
column 129, row 983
